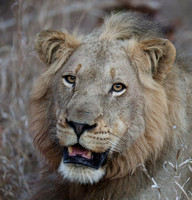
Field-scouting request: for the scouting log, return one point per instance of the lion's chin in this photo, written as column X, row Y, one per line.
column 81, row 174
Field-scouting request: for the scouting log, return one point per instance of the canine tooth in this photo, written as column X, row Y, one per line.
column 70, row 150
column 89, row 154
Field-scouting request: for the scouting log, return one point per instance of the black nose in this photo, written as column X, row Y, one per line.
column 80, row 128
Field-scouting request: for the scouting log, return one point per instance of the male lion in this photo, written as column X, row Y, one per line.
column 112, row 114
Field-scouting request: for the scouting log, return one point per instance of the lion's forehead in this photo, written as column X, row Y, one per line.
column 96, row 59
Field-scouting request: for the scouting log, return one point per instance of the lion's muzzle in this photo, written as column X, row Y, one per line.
column 77, row 154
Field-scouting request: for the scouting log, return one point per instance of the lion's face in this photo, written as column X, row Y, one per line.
column 100, row 109
column 97, row 101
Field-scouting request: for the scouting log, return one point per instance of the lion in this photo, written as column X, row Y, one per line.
column 112, row 113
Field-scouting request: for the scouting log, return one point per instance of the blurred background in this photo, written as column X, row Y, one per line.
column 20, row 21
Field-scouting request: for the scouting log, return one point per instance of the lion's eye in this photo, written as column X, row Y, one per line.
column 69, row 80
column 118, row 88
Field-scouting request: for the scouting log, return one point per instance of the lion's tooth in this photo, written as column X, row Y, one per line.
column 89, row 154
column 70, row 149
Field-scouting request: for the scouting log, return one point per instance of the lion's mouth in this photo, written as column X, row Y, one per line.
column 78, row 155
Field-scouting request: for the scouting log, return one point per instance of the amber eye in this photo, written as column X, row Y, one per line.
column 118, row 87
column 70, row 79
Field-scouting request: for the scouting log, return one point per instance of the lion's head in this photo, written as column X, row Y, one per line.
column 100, row 108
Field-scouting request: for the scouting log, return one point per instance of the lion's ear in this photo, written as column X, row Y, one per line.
column 51, row 45
column 161, row 54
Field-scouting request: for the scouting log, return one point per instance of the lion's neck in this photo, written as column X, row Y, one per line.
column 131, row 187
column 111, row 189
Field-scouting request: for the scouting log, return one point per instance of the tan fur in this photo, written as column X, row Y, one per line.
column 144, row 126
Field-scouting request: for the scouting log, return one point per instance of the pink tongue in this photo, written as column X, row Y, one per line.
column 79, row 150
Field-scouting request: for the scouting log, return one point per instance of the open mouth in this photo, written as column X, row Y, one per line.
column 78, row 155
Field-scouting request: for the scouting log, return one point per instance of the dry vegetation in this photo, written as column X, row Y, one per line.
column 20, row 21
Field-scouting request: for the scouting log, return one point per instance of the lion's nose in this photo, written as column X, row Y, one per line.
column 80, row 128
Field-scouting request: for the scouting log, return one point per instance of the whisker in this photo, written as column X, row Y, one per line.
column 119, row 144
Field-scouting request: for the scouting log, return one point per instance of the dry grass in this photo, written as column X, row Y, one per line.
column 19, row 66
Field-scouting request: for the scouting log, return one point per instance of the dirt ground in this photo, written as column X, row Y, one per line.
column 20, row 21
